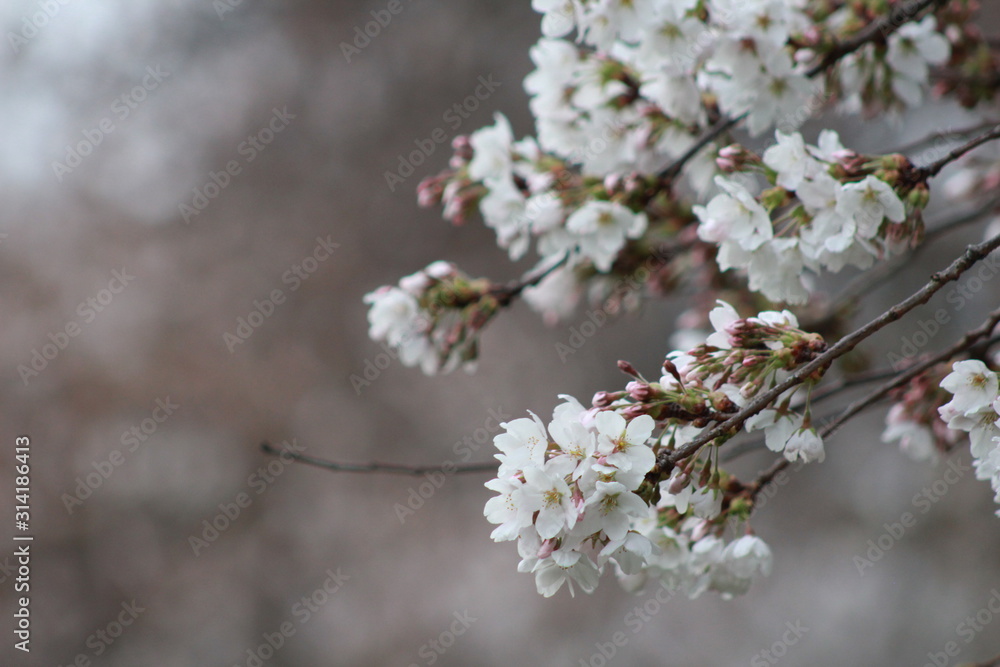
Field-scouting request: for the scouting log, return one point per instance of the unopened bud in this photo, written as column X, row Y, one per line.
column 678, row 483
column 602, row 399
column 918, row 197
column 633, row 411
column 671, row 369
column 639, row 391
column 627, row 368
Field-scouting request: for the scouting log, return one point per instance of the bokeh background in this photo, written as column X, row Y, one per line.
column 228, row 65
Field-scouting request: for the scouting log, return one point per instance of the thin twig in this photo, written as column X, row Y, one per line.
column 875, row 30
column 723, row 125
column 509, row 292
column 963, row 344
column 375, row 467
column 851, row 382
column 946, row 134
column 923, row 173
column 863, row 283
column 667, row 459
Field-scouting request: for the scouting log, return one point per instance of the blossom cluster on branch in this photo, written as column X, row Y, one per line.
column 636, row 185
column 975, row 409
column 588, row 481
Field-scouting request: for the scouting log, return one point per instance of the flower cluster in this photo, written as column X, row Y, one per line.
column 975, row 409
column 828, row 208
column 895, row 75
column 571, row 485
column 913, row 417
column 591, row 479
column 433, row 317
column 525, row 196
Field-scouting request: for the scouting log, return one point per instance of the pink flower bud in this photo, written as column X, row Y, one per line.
column 627, row 368
column 633, row 411
column 700, row 530
column 602, row 399
column 639, row 391
column 678, row 483
column 548, row 546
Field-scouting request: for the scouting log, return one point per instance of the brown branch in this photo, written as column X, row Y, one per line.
column 878, row 29
column 375, row 467
column 967, row 341
column 946, row 134
column 923, row 173
column 508, row 293
column 863, row 283
column 667, row 459
column 723, row 125
column 875, row 30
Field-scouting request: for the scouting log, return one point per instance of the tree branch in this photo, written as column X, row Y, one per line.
column 877, row 29
column 509, row 292
column 963, row 344
column 373, row 466
column 667, row 459
column 873, row 31
column 967, row 341
column 923, row 173
column 862, row 283
column 946, row 134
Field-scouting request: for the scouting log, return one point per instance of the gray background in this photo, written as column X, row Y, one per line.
column 323, row 175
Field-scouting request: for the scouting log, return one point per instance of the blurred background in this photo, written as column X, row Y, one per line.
column 165, row 168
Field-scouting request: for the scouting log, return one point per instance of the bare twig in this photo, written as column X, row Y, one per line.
column 963, row 344
column 720, row 127
column 509, row 292
column 946, row 134
column 667, row 459
column 923, row 173
column 862, row 284
column 876, row 30
column 375, row 467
